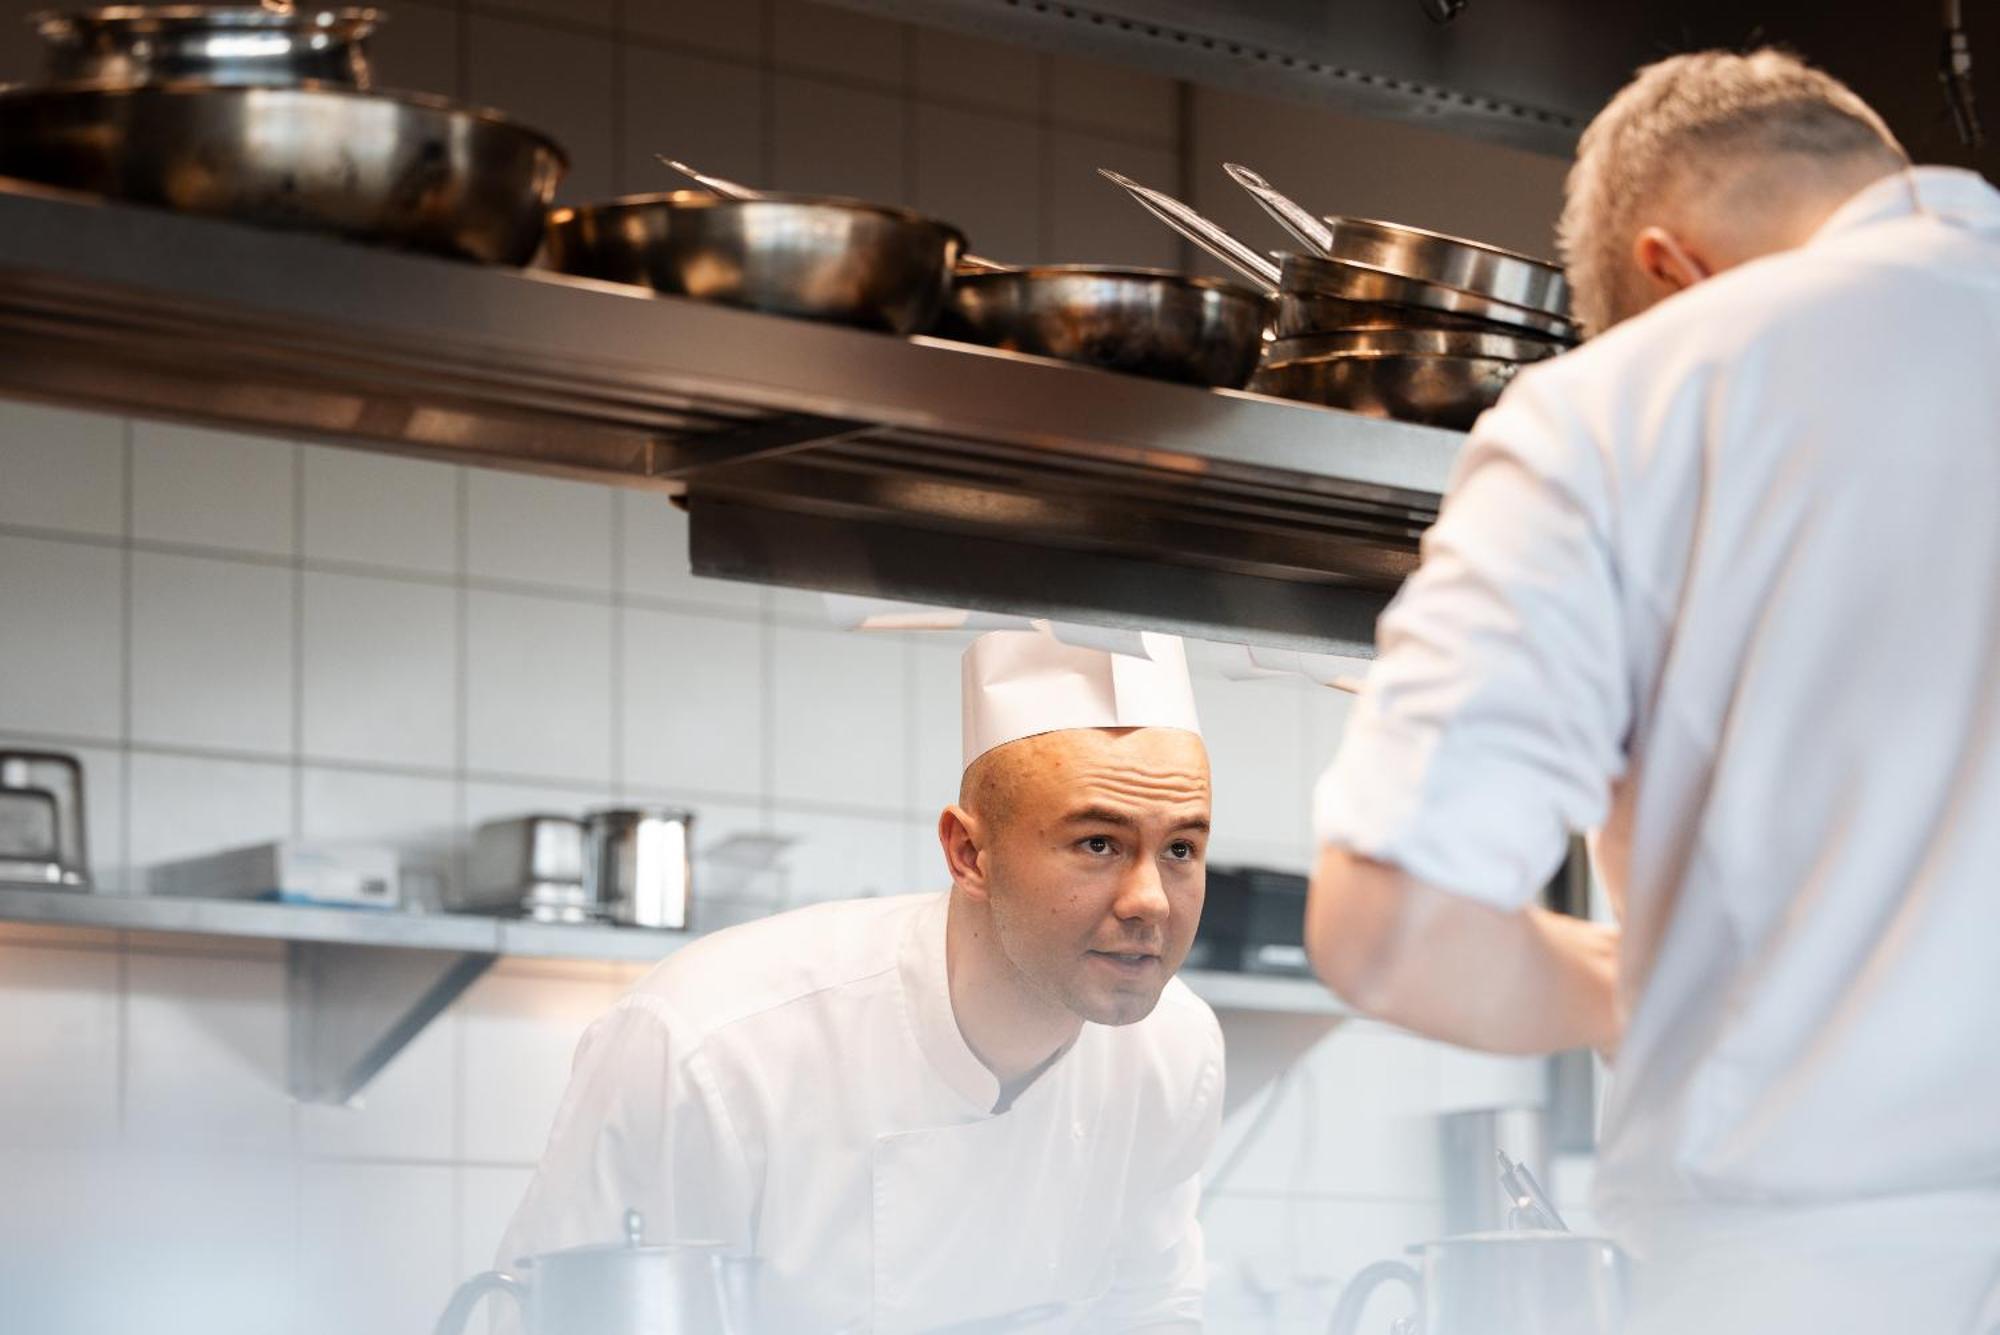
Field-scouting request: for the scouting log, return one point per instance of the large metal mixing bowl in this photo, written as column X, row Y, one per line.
column 820, row 259
column 236, row 45
column 1142, row 321
column 395, row 169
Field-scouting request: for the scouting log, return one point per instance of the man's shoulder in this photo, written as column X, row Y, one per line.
column 789, row 958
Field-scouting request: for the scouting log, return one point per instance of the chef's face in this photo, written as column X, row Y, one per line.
column 1093, row 862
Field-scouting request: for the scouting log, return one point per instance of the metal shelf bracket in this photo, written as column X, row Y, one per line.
column 354, row 1007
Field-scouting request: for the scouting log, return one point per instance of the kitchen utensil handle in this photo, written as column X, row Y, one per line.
column 1210, row 236
column 459, row 1310
column 1293, row 216
column 1353, row 1302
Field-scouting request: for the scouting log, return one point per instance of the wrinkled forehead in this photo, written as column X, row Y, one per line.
column 1133, row 768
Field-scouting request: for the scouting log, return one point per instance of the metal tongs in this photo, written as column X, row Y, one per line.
column 1530, row 1206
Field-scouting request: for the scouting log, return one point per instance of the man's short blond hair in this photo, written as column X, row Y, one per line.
column 1675, row 129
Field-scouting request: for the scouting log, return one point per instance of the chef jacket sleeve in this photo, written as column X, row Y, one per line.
column 1161, row 1270
column 1493, row 721
column 642, row 1126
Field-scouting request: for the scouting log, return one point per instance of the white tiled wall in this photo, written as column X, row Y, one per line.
column 245, row 639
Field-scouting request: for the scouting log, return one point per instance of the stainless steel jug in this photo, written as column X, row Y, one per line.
column 1526, row 1283
column 624, row 1288
column 637, row 867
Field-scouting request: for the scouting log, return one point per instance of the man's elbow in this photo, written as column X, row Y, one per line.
column 1351, row 931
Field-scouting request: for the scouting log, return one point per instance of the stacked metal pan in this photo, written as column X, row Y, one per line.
column 265, row 116
column 1379, row 318
column 1400, row 322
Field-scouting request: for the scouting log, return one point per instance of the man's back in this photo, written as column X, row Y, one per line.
column 1793, row 472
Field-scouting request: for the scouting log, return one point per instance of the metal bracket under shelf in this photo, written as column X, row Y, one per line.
column 354, row 1007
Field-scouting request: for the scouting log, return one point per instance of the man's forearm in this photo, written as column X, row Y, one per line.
column 1457, row 970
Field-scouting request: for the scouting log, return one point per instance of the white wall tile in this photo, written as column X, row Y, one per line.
column 499, row 801
column 408, row 1111
column 955, row 67
column 538, row 678
column 206, row 1044
column 59, row 1047
column 654, row 535
column 841, row 718
column 538, row 530
column 1257, row 764
column 211, row 653
column 937, row 690
column 380, row 670
column 376, row 509
column 62, row 606
column 982, row 173
column 209, row 1243
column 1092, row 221
column 694, row 702
column 707, row 112
column 1327, row 711
column 1114, row 99
column 519, row 1034
column 829, row 40
column 831, row 139
column 847, row 857
column 375, row 1247
column 732, row 27
column 556, row 81
column 417, row 49
column 487, row 1199
column 61, row 469
column 183, row 806
column 61, row 1219
column 415, row 816
column 212, row 488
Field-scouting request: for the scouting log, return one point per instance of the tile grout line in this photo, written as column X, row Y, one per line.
column 617, row 674
column 298, row 682
column 461, row 745
column 127, row 873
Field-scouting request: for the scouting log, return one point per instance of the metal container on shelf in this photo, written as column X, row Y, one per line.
column 393, row 169
column 41, row 819
column 526, row 865
column 844, row 261
column 637, row 866
column 1526, row 1283
column 126, row 46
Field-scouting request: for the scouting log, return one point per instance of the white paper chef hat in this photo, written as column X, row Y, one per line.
column 1021, row 683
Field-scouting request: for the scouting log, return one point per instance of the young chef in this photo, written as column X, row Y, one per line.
column 1724, row 584
column 986, row 1107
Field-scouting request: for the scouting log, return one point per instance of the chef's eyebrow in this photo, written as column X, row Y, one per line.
column 1125, row 821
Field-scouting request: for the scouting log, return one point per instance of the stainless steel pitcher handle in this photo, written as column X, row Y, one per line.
column 459, row 1310
column 1354, row 1298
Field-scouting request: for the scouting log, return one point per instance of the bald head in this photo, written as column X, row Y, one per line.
column 1704, row 162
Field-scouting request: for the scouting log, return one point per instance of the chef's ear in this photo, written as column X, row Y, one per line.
column 960, row 836
column 1668, row 262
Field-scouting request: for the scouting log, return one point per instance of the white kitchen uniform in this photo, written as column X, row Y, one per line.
column 1725, row 583
column 799, row 1089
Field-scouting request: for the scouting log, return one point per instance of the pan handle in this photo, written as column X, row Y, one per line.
column 1293, row 216
column 1210, row 236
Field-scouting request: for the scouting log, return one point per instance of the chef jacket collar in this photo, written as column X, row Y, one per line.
column 1950, row 193
column 927, row 994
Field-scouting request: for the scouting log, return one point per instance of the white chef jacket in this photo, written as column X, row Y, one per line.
column 798, row 1088
column 1725, row 583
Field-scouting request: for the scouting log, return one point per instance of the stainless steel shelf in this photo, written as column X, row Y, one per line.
column 368, row 951
column 807, row 454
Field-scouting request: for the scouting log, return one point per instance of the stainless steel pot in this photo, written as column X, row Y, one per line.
column 1437, row 377
column 839, row 260
column 1484, row 271
column 1501, row 1284
column 637, row 866
column 397, row 169
column 126, row 46
column 625, row 1288
column 1149, row 322
column 1318, row 275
